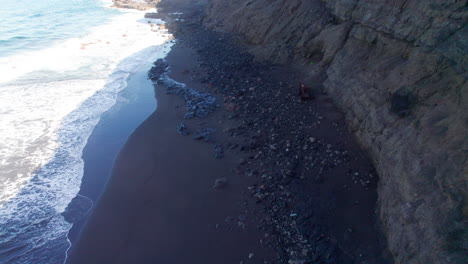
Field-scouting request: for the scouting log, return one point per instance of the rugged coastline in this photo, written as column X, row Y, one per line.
column 398, row 71
column 290, row 183
column 296, row 178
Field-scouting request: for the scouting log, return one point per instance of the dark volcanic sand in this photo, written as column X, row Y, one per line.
column 299, row 189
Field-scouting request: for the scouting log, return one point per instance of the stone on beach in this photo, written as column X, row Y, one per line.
column 220, row 183
column 182, row 129
column 219, row 151
column 204, row 134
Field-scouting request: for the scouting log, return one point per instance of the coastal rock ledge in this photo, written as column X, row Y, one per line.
column 141, row 5
column 398, row 71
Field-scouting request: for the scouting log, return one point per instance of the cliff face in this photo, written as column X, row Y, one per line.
column 398, row 70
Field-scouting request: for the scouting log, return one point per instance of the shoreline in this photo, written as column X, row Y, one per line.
column 319, row 206
column 134, row 104
column 72, row 92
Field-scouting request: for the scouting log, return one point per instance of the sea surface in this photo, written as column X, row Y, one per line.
column 63, row 64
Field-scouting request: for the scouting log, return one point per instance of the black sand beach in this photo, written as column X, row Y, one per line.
column 290, row 185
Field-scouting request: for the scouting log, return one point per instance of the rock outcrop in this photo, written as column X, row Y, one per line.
column 136, row 4
column 398, row 70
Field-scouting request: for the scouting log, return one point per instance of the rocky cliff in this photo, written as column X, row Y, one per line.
column 398, row 70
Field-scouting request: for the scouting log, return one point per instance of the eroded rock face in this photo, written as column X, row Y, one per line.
column 398, row 71
column 136, row 4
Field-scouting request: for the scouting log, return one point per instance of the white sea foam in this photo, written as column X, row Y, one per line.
column 39, row 89
column 50, row 102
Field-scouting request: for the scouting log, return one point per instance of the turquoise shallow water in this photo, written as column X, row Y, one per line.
column 31, row 25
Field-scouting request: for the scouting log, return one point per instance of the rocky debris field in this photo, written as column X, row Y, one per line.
column 198, row 104
column 315, row 189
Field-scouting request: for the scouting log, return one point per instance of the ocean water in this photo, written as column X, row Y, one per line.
column 62, row 65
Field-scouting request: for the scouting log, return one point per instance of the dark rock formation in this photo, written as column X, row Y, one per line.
column 198, row 104
column 398, row 71
column 136, row 4
column 153, row 15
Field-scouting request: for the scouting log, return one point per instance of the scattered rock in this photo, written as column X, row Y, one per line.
column 204, row 134
column 219, row 152
column 182, row 129
column 231, row 107
column 220, row 183
column 198, row 104
column 274, row 130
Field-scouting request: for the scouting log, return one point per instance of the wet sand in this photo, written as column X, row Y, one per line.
column 134, row 104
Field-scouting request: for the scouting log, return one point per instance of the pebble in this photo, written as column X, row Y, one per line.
column 220, row 183
column 219, row 151
column 182, row 129
column 204, row 134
